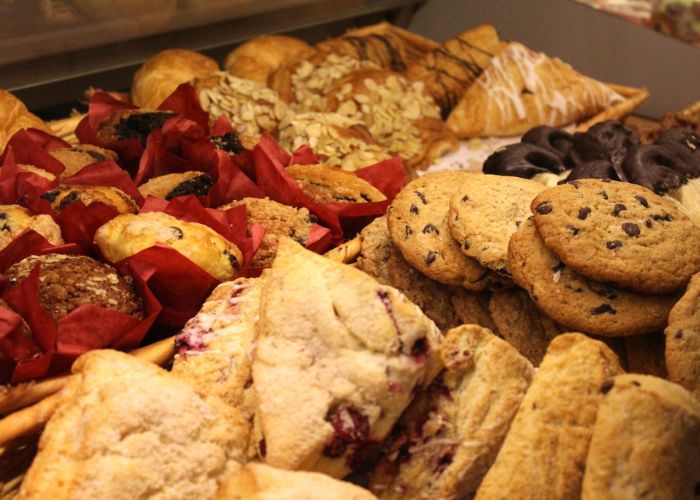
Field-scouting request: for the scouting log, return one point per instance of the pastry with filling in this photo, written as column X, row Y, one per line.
column 170, row 186
column 65, row 195
column 14, row 219
column 16, row 116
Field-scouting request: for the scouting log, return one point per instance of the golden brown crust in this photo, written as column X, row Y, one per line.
column 65, row 195
column 324, row 184
column 160, row 75
column 77, row 157
column 256, row 59
column 16, row 116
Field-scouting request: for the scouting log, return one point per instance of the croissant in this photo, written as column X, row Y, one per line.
column 522, row 89
column 160, row 75
column 258, row 58
column 16, row 116
column 451, row 68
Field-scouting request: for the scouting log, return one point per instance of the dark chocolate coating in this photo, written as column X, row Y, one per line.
column 558, row 141
column 685, row 144
column 655, row 167
column 596, row 169
column 609, row 140
column 198, row 186
column 523, row 160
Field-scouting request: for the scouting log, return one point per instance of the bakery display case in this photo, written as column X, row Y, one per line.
column 371, row 249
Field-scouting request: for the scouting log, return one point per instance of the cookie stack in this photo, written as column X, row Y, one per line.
column 606, row 258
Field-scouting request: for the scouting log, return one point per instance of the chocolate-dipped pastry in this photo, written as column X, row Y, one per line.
column 523, row 160
column 685, row 144
column 558, row 141
column 609, row 140
column 596, row 169
column 655, row 167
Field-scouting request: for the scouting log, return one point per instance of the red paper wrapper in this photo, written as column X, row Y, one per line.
column 28, row 148
column 27, row 243
column 54, row 346
column 18, row 186
column 343, row 219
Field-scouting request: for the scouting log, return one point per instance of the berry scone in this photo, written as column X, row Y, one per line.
column 337, row 360
column 450, row 435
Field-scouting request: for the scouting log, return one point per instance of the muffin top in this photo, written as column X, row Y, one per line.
column 67, row 282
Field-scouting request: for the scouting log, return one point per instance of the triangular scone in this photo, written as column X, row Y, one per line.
column 450, row 435
column 129, row 429
column 522, row 89
column 338, row 358
column 452, row 67
column 262, row 482
column 213, row 350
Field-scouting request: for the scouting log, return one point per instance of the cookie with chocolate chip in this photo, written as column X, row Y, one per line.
column 619, row 233
column 418, row 225
column 485, row 211
column 577, row 302
column 682, row 351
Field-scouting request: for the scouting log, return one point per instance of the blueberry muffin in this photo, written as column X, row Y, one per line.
column 15, row 219
column 65, row 195
column 67, row 282
column 128, row 234
column 170, row 186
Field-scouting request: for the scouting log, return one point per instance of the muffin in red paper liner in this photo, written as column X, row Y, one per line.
column 343, row 219
column 178, row 282
column 56, row 342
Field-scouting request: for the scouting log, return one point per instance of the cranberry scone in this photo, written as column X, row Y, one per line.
column 337, row 360
column 450, row 435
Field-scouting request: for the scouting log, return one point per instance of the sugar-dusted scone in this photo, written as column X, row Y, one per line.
column 577, row 302
column 160, row 75
column 16, row 219
column 170, row 186
column 256, row 59
column 251, row 107
column 418, row 225
column 399, row 114
column 620, row 233
column 646, row 442
column 76, row 157
column 16, row 116
column 682, row 352
column 522, row 324
column 65, row 195
column 256, row 481
column 326, row 184
column 128, row 429
column 344, row 141
column 381, row 259
column 546, row 447
column 337, row 360
column 521, row 89
column 451, row 68
column 126, row 235
column 278, row 220
column 485, row 211
column 213, row 351
column 450, row 435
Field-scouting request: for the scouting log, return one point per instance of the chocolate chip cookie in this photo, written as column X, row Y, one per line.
column 683, row 339
column 485, row 211
column 418, row 226
column 619, row 233
column 577, row 302
column 381, row 259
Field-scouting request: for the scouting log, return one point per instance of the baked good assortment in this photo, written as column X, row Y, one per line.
column 410, row 371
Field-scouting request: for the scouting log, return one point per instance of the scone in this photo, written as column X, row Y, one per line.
column 262, row 482
column 646, row 442
column 337, row 360
column 170, row 186
column 251, row 107
column 546, row 447
column 345, row 142
column 67, row 282
column 326, row 184
column 448, row 438
column 399, row 114
column 126, row 428
column 16, row 219
column 75, row 158
column 213, row 350
column 256, row 59
column 65, row 195
column 278, row 220
column 127, row 235
column 160, row 75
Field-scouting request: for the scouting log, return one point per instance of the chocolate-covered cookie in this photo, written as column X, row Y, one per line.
column 655, row 167
column 558, row 141
column 523, row 160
